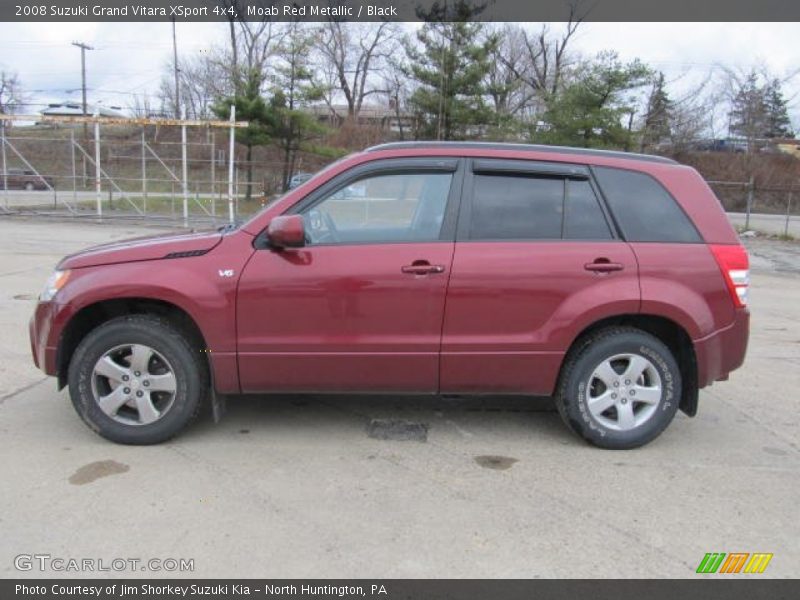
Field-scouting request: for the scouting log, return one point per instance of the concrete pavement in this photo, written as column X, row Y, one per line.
column 294, row 487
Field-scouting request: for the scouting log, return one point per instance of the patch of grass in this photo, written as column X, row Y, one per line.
column 168, row 205
column 326, row 151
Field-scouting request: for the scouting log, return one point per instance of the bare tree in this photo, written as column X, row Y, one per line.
column 354, row 53
column 141, row 106
column 690, row 115
column 396, row 88
column 543, row 62
column 259, row 41
column 11, row 96
column 511, row 94
column 202, row 80
column 251, row 42
column 233, row 9
column 224, row 71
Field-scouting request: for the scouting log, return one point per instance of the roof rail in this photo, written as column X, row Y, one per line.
column 523, row 147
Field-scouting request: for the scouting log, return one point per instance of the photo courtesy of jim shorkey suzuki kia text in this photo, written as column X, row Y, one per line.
column 144, row 590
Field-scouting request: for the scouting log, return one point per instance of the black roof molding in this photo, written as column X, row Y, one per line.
column 523, row 147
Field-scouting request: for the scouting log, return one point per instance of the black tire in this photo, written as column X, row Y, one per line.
column 189, row 370
column 577, row 386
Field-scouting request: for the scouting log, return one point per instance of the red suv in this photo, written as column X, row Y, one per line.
column 610, row 281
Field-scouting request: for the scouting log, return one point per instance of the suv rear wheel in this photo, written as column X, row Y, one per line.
column 620, row 388
column 137, row 380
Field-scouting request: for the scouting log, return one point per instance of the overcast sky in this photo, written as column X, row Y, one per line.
column 129, row 57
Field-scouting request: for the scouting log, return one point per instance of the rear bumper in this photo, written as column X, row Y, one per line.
column 723, row 351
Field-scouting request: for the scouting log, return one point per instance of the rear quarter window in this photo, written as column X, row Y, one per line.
column 644, row 210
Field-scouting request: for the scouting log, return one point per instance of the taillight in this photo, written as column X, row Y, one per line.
column 735, row 266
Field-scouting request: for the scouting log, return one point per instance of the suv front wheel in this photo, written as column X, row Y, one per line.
column 620, row 388
column 137, row 380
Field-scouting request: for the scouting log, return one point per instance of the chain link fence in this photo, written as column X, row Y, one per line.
column 170, row 173
column 196, row 176
column 773, row 210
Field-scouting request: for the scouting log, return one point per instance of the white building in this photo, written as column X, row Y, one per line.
column 72, row 108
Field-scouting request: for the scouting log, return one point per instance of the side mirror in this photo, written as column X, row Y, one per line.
column 287, row 231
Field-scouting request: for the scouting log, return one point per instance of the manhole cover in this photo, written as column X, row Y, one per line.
column 401, row 431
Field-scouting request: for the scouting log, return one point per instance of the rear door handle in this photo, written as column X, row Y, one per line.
column 422, row 267
column 603, row 265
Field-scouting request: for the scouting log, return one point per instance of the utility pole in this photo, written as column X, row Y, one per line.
column 84, row 48
column 4, row 165
column 175, row 62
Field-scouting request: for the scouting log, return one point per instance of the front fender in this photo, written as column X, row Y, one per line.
column 204, row 287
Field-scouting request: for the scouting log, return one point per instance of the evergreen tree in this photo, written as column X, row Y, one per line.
column 450, row 67
column 778, row 123
column 295, row 89
column 250, row 106
column 658, row 119
column 748, row 115
column 590, row 110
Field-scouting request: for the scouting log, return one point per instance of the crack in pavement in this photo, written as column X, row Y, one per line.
column 24, row 388
column 752, row 419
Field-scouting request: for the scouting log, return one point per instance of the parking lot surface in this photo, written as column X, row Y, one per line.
column 296, row 486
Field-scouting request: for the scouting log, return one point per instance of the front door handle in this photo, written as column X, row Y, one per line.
column 603, row 265
column 422, row 267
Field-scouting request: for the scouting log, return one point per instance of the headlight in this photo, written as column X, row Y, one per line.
column 54, row 283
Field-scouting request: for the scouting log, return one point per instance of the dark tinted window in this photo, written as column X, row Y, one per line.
column 520, row 207
column 643, row 208
column 584, row 219
column 506, row 207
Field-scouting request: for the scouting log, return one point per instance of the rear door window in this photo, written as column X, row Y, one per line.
column 584, row 219
column 525, row 207
column 509, row 207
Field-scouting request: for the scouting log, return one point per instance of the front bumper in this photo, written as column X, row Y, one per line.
column 44, row 335
column 723, row 351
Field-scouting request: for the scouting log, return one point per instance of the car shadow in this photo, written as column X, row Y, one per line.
column 379, row 416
